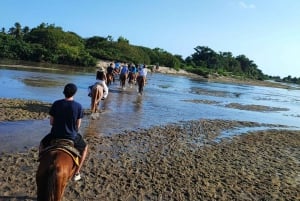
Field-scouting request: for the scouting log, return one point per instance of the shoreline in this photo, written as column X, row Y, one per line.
column 212, row 78
column 168, row 70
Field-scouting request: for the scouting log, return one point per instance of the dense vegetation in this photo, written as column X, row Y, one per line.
column 50, row 44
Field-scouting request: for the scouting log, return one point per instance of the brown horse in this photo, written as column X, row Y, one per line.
column 123, row 78
column 141, row 83
column 110, row 78
column 96, row 95
column 56, row 168
column 131, row 78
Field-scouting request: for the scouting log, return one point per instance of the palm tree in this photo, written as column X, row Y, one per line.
column 16, row 31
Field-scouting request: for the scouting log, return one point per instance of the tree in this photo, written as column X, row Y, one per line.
column 121, row 39
column 16, row 31
column 205, row 56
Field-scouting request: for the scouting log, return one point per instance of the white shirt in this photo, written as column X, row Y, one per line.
column 105, row 88
column 143, row 72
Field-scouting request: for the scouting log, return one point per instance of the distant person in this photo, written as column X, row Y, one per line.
column 101, row 75
column 123, row 75
column 110, row 74
column 110, row 69
column 157, row 67
column 117, row 67
column 132, row 74
column 142, row 73
column 65, row 119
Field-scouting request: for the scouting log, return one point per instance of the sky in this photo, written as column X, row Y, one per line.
column 265, row 31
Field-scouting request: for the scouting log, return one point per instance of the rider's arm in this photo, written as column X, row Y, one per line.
column 78, row 123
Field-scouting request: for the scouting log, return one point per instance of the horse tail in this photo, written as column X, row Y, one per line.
column 52, row 183
column 97, row 93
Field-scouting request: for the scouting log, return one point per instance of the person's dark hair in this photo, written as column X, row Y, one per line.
column 69, row 90
column 100, row 75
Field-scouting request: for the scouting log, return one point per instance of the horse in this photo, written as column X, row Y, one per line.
column 131, row 78
column 110, row 78
column 141, row 83
column 96, row 96
column 123, row 78
column 57, row 166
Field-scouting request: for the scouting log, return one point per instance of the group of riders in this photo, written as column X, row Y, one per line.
column 136, row 75
column 129, row 72
column 66, row 114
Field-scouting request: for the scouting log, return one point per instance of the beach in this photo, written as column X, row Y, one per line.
column 186, row 160
column 181, row 161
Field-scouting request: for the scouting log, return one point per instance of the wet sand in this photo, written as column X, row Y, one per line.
column 19, row 109
column 176, row 162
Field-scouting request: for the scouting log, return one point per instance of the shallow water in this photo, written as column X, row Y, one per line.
column 167, row 99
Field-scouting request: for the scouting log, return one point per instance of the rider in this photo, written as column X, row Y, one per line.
column 101, row 80
column 117, row 68
column 124, row 73
column 100, row 74
column 133, row 71
column 142, row 73
column 110, row 71
column 65, row 118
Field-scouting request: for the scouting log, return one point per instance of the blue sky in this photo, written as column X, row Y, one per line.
column 266, row 31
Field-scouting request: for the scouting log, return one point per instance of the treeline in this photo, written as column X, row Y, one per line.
column 288, row 79
column 51, row 44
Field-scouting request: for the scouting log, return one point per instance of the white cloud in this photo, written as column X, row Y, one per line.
column 246, row 6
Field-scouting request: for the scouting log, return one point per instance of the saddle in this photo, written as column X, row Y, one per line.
column 64, row 145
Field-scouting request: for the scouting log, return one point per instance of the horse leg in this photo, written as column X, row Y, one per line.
column 108, row 80
column 94, row 99
column 141, row 84
column 63, row 176
column 99, row 95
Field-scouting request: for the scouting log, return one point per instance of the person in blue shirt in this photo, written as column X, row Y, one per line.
column 65, row 119
column 132, row 74
column 123, row 75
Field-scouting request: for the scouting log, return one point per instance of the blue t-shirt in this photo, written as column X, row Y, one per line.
column 65, row 114
column 133, row 69
column 124, row 70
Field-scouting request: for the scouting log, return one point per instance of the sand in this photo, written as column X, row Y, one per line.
column 181, row 161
